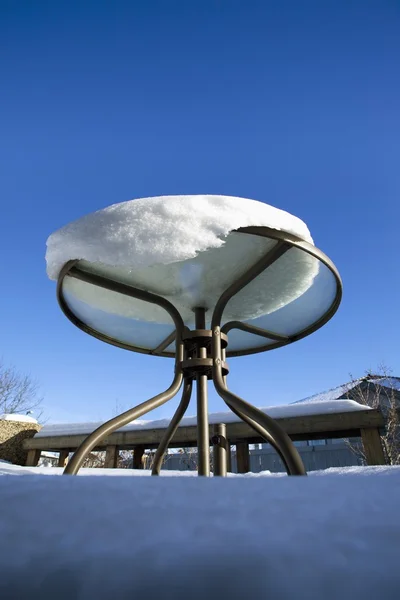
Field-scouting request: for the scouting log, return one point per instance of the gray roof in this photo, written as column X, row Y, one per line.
column 341, row 391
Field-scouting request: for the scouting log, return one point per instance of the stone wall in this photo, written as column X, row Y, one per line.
column 12, row 435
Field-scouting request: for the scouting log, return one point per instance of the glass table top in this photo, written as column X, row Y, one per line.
column 294, row 296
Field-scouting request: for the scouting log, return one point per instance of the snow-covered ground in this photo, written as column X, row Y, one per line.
column 7, row 468
column 333, row 535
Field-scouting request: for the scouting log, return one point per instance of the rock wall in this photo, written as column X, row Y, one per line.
column 12, row 435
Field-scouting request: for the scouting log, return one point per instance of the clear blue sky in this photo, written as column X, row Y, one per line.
column 292, row 103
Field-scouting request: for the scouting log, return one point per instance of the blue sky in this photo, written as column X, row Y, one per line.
column 291, row 103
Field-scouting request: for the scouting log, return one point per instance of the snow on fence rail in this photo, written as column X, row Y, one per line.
column 325, row 420
column 277, row 412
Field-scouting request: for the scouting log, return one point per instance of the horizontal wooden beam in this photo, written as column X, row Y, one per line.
column 331, row 425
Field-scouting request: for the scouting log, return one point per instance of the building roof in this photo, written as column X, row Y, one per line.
column 341, row 391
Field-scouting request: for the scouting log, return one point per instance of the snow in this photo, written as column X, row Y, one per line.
column 392, row 383
column 277, row 412
column 329, row 395
column 179, row 247
column 377, row 470
column 7, row 468
column 16, row 417
column 327, row 537
column 161, row 230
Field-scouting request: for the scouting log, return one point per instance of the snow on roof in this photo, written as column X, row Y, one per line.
column 277, row 412
column 329, row 395
column 345, row 388
column 16, row 417
column 341, row 390
column 284, row 537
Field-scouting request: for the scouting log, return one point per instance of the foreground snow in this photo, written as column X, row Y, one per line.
column 329, row 537
column 9, row 469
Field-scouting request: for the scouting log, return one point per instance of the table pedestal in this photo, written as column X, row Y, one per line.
column 203, row 438
column 200, row 357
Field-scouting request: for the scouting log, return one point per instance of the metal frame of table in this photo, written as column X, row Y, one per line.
column 201, row 356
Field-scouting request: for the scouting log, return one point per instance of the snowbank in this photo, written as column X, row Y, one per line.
column 186, row 537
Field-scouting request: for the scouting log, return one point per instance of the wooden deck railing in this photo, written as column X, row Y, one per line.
column 364, row 423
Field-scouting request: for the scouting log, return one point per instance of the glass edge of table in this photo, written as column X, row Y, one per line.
column 279, row 236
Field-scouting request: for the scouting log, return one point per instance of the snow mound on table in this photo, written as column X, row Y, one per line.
column 179, row 247
column 161, row 230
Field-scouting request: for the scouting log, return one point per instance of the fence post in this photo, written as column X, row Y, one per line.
column 373, row 447
column 62, row 458
column 242, row 457
column 138, row 452
column 111, row 457
column 33, row 458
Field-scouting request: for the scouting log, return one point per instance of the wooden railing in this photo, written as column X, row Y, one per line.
column 364, row 423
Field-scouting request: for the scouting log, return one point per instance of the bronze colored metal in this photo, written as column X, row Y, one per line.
column 287, row 241
column 172, row 427
column 201, row 355
column 220, row 443
column 201, row 366
column 203, row 435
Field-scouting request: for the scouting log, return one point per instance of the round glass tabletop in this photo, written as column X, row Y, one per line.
column 297, row 293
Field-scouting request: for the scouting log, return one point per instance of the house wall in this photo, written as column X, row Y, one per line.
column 374, row 395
